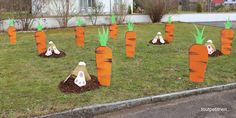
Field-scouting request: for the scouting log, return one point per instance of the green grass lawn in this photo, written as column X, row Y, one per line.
column 29, row 84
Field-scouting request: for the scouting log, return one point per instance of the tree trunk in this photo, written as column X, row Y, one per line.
column 67, row 12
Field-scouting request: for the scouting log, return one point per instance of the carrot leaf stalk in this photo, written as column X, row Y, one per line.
column 199, row 35
column 103, row 36
column 40, row 26
column 79, row 22
column 113, row 19
column 130, row 26
column 11, row 22
column 228, row 24
column 169, row 19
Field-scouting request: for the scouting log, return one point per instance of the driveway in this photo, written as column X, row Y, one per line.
column 217, row 24
column 211, row 105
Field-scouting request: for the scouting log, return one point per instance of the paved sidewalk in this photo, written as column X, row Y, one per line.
column 210, row 105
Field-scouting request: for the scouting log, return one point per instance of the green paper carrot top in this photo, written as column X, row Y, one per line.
column 130, row 26
column 113, row 19
column 103, row 37
column 169, row 19
column 79, row 21
column 40, row 26
column 11, row 22
column 199, row 35
column 228, row 24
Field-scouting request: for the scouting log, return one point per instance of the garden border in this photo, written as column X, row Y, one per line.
column 109, row 107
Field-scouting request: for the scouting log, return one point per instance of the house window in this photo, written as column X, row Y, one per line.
column 85, row 5
column 91, row 3
column 117, row 1
column 117, row 5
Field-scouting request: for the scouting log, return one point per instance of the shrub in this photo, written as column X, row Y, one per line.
column 120, row 11
column 96, row 10
column 199, row 8
column 222, row 8
column 157, row 8
column 64, row 9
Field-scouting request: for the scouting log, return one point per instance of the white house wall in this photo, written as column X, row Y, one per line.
column 109, row 4
column 102, row 20
column 50, row 9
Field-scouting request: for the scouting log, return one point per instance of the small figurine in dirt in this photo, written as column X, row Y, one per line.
column 81, row 67
column 49, row 51
column 80, row 79
column 159, row 38
column 210, row 47
column 80, row 74
column 52, row 48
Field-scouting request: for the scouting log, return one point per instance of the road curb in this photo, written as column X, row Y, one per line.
column 109, row 107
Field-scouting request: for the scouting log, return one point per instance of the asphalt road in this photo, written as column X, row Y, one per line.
column 210, row 105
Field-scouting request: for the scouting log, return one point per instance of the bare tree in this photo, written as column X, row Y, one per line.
column 26, row 11
column 95, row 11
column 121, row 11
column 64, row 10
column 157, row 8
column 22, row 10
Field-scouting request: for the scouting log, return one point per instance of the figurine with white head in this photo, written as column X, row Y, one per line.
column 210, row 47
column 81, row 67
column 52, row 48
column 155, row 39
column 160, row 37
column 56, row 51
column 49, row 51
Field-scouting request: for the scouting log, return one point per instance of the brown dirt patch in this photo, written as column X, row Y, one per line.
column 157, row 43
column 217, row 53
column 62, row 54
column 70, row 87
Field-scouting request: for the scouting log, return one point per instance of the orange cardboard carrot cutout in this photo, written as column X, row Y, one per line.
column 104, row 59
column 198, row 58
column 11, row 32
column 79, row 33
column 113, row 27
column 227, row 36
column 40, row 38
column 130, row 40
column 169, row 27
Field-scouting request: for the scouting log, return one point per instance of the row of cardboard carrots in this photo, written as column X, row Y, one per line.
column 198, row 56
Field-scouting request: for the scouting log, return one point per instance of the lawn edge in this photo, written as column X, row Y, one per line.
column 109, row 107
